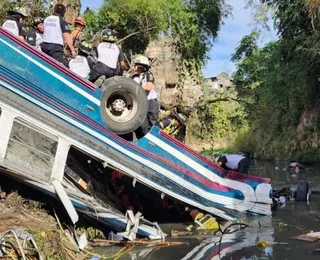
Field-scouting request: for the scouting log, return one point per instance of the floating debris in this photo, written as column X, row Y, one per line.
column 104, row 242
column 310, row 237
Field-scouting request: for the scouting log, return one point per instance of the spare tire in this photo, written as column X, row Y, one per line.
column 124, row 104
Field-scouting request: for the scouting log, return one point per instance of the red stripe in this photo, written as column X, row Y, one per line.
column 231, row 175
column 206, row 182
column 90, row 86
column 241, row 177
column 48, row 59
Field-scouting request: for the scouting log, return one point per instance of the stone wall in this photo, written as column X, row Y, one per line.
column 175, row 86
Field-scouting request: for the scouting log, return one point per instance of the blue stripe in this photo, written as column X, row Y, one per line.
column 173, row 186
column 234, row 194
column 68, row 98
column 156, row 149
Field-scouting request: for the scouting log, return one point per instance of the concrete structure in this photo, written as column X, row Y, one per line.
column 220, row 82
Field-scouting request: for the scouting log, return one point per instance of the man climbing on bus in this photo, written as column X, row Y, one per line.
column 145, row 78
column 15, row 23
column 108, row 56
column 35, row 34
column 56, row 32
column 235, row 162
column 82, row 64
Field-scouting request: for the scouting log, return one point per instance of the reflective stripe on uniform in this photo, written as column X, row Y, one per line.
column 11, row 26
column 108, row 54
column 52, row 30
column 80, row 66
column 142, row 80
column 39, row 40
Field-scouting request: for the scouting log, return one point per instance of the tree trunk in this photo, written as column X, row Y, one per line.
column 73, row 9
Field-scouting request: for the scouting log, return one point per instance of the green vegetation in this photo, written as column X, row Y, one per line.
column 35, row 8
column 192, row 24
column 222, row 118
column 280, row 83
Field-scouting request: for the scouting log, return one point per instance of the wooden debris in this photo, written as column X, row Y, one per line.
column 176, row 233
column 104, row 242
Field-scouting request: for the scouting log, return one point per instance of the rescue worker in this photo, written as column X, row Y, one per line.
column 82, row 64
column 174, row 126
column 108, row 54
column 15, row 23
column 77, row 34
column 56, row 31
column 35, row 34
column 235, row 162
column 144, row 77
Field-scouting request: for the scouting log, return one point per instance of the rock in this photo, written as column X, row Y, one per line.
column 174, row 86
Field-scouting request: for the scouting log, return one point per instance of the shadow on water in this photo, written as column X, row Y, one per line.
column 290, row 220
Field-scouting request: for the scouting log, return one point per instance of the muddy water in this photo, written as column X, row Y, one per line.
column 290, row 220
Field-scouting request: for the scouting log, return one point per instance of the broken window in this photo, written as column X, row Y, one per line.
column 113, row 188
column 31, row 148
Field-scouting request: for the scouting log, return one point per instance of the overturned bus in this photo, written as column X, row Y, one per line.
column 55, row 125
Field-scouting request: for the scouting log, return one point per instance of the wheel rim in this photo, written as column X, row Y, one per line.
column 121, row 106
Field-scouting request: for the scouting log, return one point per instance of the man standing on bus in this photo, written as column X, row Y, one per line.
column 56, row 31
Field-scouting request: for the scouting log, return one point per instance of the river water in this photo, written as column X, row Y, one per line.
column 292, row 219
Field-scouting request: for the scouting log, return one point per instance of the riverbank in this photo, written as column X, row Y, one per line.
column 25, row 217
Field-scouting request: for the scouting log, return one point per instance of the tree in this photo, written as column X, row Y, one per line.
column 192, row 24
column 280, row 81
column 73, row 9
column 35, row 8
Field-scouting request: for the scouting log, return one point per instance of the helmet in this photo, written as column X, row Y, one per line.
column 85, row 47
column 108, row 35
column 142, row 60
column 81, row 21
column 37, row 21
column 21, row 12
column 181, row 118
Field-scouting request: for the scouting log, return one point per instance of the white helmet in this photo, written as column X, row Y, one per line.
column 142, row 60
column 20, row 11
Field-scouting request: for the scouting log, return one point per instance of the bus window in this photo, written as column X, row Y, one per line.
column 31, row 148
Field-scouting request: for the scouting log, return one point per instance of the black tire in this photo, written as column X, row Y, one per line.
column 133, row 102
column 302, row 191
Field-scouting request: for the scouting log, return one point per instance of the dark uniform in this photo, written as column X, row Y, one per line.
column 54, row 27
column 35, row 38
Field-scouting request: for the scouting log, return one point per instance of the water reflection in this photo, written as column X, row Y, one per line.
column 288, row 221
column 233, row 245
